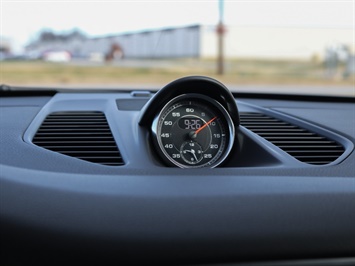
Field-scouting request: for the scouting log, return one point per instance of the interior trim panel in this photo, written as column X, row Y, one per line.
column 260, row 205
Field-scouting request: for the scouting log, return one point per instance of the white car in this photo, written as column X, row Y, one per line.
column 57, row 56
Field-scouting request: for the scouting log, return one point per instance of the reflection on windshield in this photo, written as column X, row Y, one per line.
column 279, row 58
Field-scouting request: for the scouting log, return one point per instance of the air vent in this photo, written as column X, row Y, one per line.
column 83, row 135
column 306, row 146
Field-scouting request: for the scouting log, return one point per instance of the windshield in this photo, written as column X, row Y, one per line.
column 299, row 47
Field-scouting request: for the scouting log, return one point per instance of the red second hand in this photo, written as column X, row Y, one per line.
column 205, row 125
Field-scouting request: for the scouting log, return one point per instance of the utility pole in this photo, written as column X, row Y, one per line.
column 220, row 37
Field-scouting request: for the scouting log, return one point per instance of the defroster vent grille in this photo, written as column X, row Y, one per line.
column 304, row 145
column 83, row 135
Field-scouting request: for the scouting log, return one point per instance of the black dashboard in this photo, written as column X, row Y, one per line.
column 83, row 174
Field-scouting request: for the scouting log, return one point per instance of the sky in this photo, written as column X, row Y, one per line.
column 20, row 21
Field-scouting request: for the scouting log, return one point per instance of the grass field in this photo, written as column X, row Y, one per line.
column 237, row 72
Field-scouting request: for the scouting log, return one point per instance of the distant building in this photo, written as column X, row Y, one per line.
column 5, row 45
column 199, row 41
column 51, row 42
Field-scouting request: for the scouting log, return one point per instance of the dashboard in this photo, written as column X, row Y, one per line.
column 189, row 174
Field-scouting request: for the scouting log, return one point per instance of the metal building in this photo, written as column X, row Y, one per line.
column 163, row 43
column 200, row 41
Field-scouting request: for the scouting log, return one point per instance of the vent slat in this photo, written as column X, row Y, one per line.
column 77, row 134
column 79, row 129
column 302, row 144
column 76, row 143
column 71, row 120
column 99, row 149
column 266, row 126
column 316, row 152
column 97, row 152
column 79, row 118
column 279, row 130
column 319, row 162
column 76, row 140
column 300, row 140
column 287, row 134
column 312, row 147
column 83, row 135
column 101, row 157
column 74, row 127
column 66, row 113
column 70, row 123
column 318, row 157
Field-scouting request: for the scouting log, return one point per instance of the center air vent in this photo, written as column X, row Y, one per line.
column 83, row 135
column 306, row 146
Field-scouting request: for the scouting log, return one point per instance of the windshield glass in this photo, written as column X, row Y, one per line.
column 302, row 47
